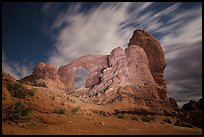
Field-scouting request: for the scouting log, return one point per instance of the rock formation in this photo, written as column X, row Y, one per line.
column 191, row 112
column 95, row 64
column 7, row 99
column 193, row 105
column 134, row 75
column 155, row 56
column 173, row 103
column 7, row 77
column 45, row 75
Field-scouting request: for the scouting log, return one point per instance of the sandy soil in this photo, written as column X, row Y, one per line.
column 64, row 125
column 87, row 120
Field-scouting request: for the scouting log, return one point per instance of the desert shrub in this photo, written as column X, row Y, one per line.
column 167, row 121
column 20, row 111
column 20, row 94
column 75, row 109
column 32, row 92
column 121, row 116
column 134, row 118
column 74, row 101
column 42, row 84
column 19, row 91
column 146, row 119
column 26, row 111
column 60, row 110
column 10, row 87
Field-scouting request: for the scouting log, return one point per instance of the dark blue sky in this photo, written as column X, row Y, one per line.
column 23, row 38
column 58, row 33
column 23, row 27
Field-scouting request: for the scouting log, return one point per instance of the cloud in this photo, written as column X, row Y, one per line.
column 183, row 51
column 81, row 74
column 15, row 69
column 101, row 28
column 108, row 25
column 97, row 31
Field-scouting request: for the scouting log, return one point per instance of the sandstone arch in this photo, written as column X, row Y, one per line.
column 95, row 64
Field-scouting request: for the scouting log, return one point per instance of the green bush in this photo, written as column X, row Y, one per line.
column 20, row 111
column 75, row 109
column 10, row 87
column 20, row 94
column 32, row 92
column 19, row 91
column 134, row 118
column 60, row 111
column 74, row 101
column 26, row 111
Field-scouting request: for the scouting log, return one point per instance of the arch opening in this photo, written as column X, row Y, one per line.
column 81, row 75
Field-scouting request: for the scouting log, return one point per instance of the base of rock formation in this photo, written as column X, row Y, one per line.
column 57, row 112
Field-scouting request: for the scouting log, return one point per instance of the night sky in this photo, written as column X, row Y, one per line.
column 58, row 33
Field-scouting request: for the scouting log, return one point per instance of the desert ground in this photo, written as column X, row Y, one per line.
column 81, row 117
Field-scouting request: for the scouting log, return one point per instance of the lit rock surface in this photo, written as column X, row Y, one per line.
column 133, row 75
column 45, row 74
column 156, row 59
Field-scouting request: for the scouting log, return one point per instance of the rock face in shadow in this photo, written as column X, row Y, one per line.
column 173, row 103
column 192, row 105
column 133, row 75
column 191, row 112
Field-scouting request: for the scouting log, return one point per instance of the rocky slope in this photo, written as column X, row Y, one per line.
column 49, row 111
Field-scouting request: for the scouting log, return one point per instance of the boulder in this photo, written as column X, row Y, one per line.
column 182, row 124
column 191, row 112
column 173, row 103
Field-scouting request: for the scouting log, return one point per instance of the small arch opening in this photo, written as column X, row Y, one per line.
column 81, row 75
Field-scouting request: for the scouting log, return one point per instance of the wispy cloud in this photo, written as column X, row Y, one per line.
column 86, row 33
column 109, row 25
column 15, row 69
column 81, row 74
column 183, row 51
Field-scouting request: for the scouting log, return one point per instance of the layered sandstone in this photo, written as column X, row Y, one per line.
column 155, row 56
column 133, row 75
column 95, row 64
column 45, row 75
